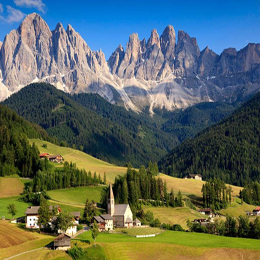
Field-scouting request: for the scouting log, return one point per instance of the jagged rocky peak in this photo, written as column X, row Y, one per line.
column 168, row 41
column 207, row 62
column 115, row 59
column 143, row 45
column 33, row 25
column 153, row 40
column 187, row 53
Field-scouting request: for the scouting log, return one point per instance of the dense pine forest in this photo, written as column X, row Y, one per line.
column 17, row 156
column 229, row 150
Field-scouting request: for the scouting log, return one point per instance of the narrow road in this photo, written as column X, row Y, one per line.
column 23, row 253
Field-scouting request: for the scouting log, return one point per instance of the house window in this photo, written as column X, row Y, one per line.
column 30, row 219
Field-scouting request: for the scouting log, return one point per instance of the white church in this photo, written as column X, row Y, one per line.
column 119, row 215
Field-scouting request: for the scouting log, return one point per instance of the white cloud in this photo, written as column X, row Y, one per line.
column 1, row 8
column 13, row 16
column 38, row 4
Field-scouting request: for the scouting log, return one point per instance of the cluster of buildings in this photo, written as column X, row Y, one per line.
column 32, row 216
column 194, row 176
column 119, row 215
column 52, row 158
column 255, row 212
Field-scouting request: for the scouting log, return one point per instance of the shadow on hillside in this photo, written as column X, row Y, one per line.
column 196, row 200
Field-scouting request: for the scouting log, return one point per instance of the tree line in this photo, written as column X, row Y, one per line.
column 240, row 227
column 141, row 187
column 66, row 177
column 251, row 193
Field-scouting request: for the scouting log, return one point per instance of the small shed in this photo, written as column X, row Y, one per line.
column 137, row 222
column 62, row 242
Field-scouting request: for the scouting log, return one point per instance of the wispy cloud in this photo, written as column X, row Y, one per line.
column 38, row 4
column 1, row 8
column 13, row 16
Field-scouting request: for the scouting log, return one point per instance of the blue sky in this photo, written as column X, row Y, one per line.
column 106, row 24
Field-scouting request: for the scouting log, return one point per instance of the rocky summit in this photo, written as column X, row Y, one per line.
column 161, row 72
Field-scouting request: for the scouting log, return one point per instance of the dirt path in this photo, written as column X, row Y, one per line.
column 23, row 253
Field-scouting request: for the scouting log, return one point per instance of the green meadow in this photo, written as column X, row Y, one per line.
column 82, row 160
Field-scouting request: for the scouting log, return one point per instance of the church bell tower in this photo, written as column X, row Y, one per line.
column 111, row 201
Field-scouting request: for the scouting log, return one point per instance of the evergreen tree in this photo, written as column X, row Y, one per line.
column 94, row 232
column 44, row 213
column 12, row 210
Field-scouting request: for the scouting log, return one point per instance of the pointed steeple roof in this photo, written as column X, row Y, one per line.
column 111, row 191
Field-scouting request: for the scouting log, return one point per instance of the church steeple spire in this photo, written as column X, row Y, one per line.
column 111, row 201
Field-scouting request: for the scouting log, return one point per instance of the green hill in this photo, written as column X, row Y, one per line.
column 114, row 135
column 82, row 160
column 229, row 150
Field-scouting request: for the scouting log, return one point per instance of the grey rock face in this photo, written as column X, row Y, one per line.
column 160, row 72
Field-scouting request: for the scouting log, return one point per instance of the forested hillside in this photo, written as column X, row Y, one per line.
column 111, row 134
column 229, row 150
column 17, row 156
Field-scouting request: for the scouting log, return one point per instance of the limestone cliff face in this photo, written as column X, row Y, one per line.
column 160, row 72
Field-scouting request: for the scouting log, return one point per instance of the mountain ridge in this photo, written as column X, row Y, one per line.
column 162, row 72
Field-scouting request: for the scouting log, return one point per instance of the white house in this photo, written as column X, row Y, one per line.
column 32, row 217
column 105, row 222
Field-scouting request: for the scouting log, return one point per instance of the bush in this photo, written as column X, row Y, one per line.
column 76, row 252
column 79, row 227
column 177, row 227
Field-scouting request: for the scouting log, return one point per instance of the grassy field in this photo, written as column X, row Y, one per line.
column 174, row 215
column 83, row 160
column 19, row 205
column 236, row 208
column 14, row 240
column 10, row 186
column 176, row 245
column 188, row 186
column 139, row 231
column 77, row 196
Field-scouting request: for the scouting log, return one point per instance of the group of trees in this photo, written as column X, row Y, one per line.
column 142, row 187
column 216, row 194
column 240, row 227
column 251, row 193
column 67, row 176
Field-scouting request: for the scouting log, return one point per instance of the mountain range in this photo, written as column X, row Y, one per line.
column 160, row 73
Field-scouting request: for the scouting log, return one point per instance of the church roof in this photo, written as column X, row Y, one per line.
column 106, row 217
column 111, row 191
column 120, row 209
column 128, row 220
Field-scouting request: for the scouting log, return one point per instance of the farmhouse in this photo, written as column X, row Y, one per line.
column 207, row 212
column 55, row 158
column 62, row 242
column 194, row 176
column 105, row 222
column 52, row 158
column 32, row 216
column 44, row 155
column 32, row 219
column 256, row 211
